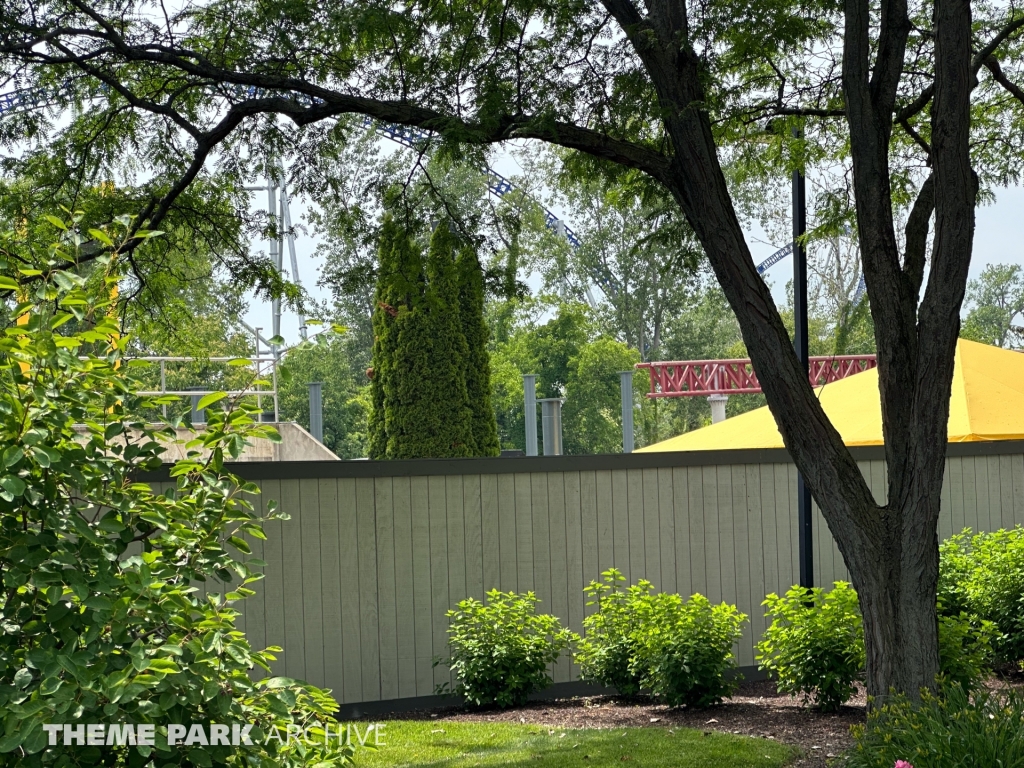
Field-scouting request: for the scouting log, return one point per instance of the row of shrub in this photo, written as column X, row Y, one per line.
column 681, row 650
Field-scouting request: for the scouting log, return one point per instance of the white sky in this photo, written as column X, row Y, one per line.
column 999, row 238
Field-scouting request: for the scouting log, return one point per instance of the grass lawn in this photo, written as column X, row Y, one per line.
column 462, row 745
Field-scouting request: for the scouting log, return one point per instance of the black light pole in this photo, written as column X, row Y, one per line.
column 803, row 493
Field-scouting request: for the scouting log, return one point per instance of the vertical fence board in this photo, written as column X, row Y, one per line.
column 490, row 533
column 605, row 522
column 741, row 526
column 369, row 596
column 312, row 580
column 620, row 524
column 638, row 565
column 755, row 549
column 970, row 492
column 330, row 586
column 273, row 581
column 507, row 534
column 456, row 522
column 1005, row 491
column 524, row 534
column 291, row 554
column 422, row 591
column 471, row 495
column 698, row 542
column 945, row 527
column 714, row 501
column 1018, row 489
column 254, row 609
column 440, row 598
column 681, row 523
column 574, row 554
column 558, row 601
column 666, row 528
column 652, row 527
column 785, row 526
column 405, row 583
column 769, row 530
column 541, row 518
column 590, row 530
column 348, row 569
column 387, row 610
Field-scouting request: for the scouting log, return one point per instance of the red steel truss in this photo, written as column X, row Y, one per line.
column 690, row 378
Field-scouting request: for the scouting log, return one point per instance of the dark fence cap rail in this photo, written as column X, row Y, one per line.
column 303, row 470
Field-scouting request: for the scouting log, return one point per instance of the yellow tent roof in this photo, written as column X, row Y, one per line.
column 987, row 403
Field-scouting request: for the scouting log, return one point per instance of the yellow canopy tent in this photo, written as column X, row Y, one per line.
column 987, row 403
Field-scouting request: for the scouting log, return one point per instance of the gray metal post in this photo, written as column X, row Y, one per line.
column 530, row 411
column 551, row 425
column 275, row 254
column 316, row 410
column 626, row 385
column 198, row 416
column 800, row 335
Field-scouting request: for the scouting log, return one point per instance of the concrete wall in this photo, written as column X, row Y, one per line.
column 358, row 581
column 296, row 445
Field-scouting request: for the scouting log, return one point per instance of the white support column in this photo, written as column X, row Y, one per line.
column 718, row 407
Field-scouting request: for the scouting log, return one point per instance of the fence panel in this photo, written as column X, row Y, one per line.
column 358, row 581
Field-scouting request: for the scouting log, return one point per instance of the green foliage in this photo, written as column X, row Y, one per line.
column 501, row 648
column 815, row 644
column 478, row 358
column 965, row 650
column 983, row 575
column 951, row 730
column 325, row 359
column 996, row 299
column 101, row 614
column 386, row 297
column 606, row 654
column 592, row 415
column 684, row 650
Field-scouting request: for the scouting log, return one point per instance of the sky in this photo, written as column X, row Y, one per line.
column 999, row 239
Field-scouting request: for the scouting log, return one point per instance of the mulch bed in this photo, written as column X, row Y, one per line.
column 756, row 709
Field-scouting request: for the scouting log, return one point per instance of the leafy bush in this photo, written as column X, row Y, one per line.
column 501, row 648
column 815, row 644
column 952, row 730
column 90, row 634
column 965, row 649
column 684, row 650
column 607, row 651
column 983, row 575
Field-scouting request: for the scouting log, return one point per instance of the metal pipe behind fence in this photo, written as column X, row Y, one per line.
column 316, row 410
column 551, row 425
column 530, row 412
column 198, row 416
column 626, row 385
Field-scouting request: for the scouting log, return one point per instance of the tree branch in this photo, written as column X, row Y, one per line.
column 997, row 74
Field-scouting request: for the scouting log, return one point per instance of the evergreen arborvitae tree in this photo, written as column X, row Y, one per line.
column 478, row 359
column 384, row 333
column 428, row 406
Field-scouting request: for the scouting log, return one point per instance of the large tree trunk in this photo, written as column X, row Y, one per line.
column 891, row 550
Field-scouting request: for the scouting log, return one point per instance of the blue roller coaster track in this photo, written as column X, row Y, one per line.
column 498, row 185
